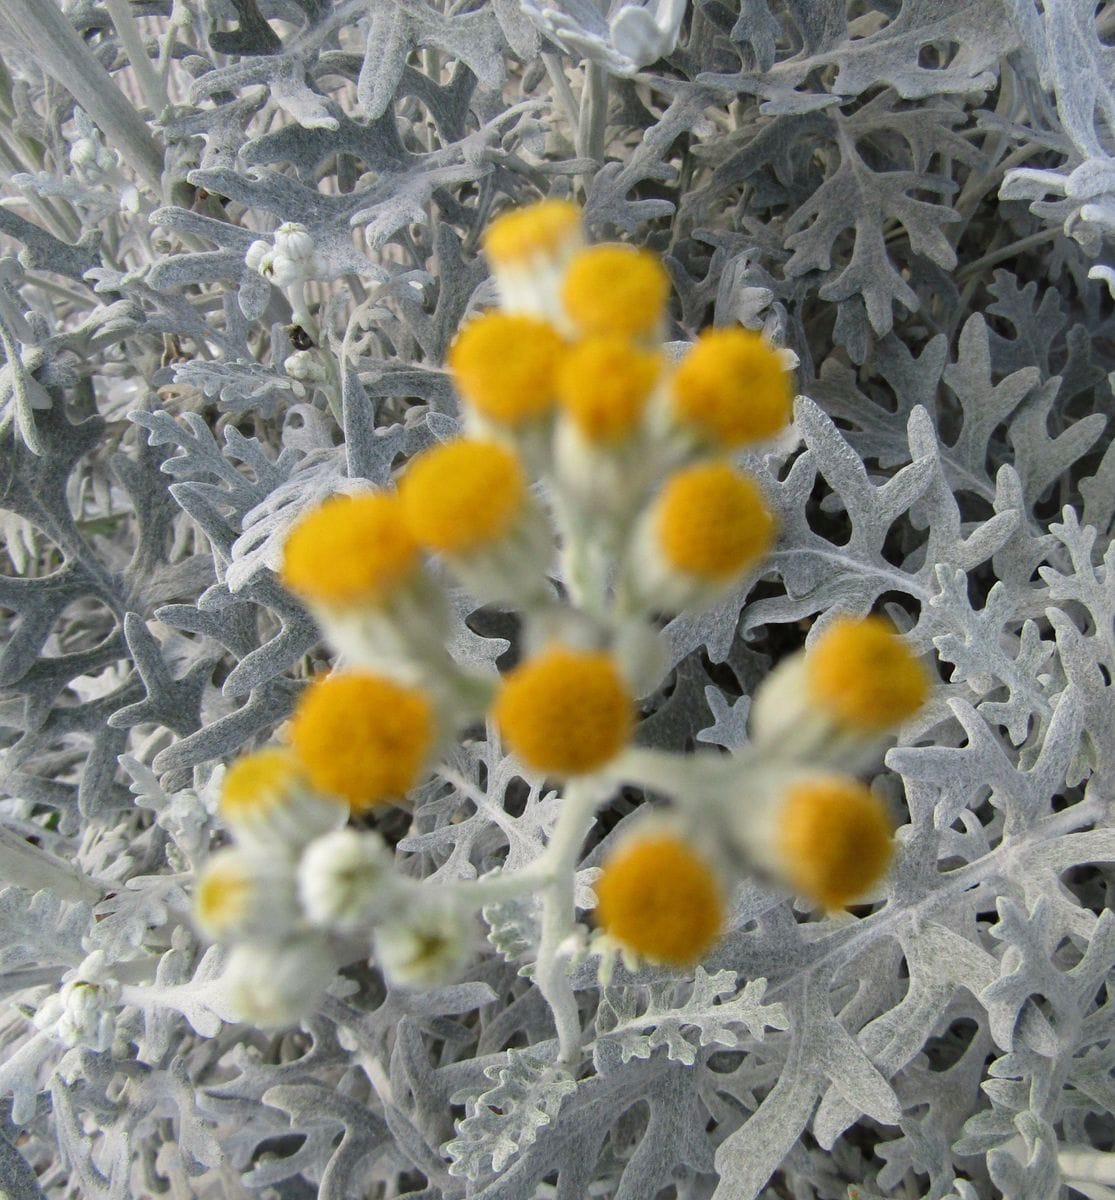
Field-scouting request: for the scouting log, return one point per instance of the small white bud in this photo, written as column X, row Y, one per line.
column 304, row 366
column 286, row 271
column 345, row 880
column 83, row 153
column 276, row 985
column 294, row 242
column 243, row 895
column 82, row 1013
column 425, row 948
column 106, row 159
column 258, row 251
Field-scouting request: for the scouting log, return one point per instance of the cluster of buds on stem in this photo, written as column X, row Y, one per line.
column 594, row 488
column 290, row 262
column 98, row 166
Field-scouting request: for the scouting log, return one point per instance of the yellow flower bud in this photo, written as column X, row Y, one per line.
column 603, row 386
column 528, row 249
column 267, row 801
column 615, row 290
column 834, row 839
column 463, row 495
column 352, row 550
column 712, row 522
column 864, row 675
column 363, row 737
column 533, row 231
column 732, row 389
column 504, row 366
column 565, row 712
column 659, row 897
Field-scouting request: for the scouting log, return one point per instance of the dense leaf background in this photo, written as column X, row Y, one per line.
column 918, row 198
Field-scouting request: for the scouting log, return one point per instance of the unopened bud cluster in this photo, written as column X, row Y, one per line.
column 593, row 489
column 290, row 261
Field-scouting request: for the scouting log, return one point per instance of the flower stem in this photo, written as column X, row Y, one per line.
column 154, row 91
column 551, row 975
column 61, row 52
column 593, row 116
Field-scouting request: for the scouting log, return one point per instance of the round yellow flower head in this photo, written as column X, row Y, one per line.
column 463, row 495
column 732, row 389
column 834, row 839
column 661, row 899
column 504, row 365
column 223, row 895
column 864, row 675
column 565, row 712
column 260, row 782
column 363, row 737
column 349, row 551
column 267, row 800
column 540, row 229
column 712, row 521
column 615, row 289
column 603, row 385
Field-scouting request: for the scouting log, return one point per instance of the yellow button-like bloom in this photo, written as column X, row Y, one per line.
column 712, row 522
column 352, row 550
column 267, row 801
column 463, row 495
column 660, row 898
column 603, row 386
column 505, row 365
column 362, row 737
column 615, row 289
column 535, row 230
column 864, row 675
column 223, row 895
column 259, row 781
column 241, row 894
column 732, row 389
column 834, row 839
column 565, row 712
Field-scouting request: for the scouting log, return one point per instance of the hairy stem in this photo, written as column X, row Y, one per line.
column 558, row 911
column 64, row 55
column 153, row 88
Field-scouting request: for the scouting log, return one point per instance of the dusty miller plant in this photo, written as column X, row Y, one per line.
column 915, row 196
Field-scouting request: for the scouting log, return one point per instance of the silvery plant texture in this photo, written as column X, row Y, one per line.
column 238, row 239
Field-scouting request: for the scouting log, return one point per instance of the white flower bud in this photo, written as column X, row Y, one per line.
column 242, row 895
column 425, row 948
column 82, row 1013
column 293, row 241
column 304, row 366
column 286, row 271
column 276, row 985
column 345, row 880
column 106, row 159
column 83, row 153
column 258, row 252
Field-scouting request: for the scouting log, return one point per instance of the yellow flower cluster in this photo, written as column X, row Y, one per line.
column 822, row 833
column 593, row 488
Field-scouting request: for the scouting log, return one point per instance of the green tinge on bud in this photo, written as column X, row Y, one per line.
column 428, row 947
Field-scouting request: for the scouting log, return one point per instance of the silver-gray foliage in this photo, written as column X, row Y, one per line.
column 918, row 198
